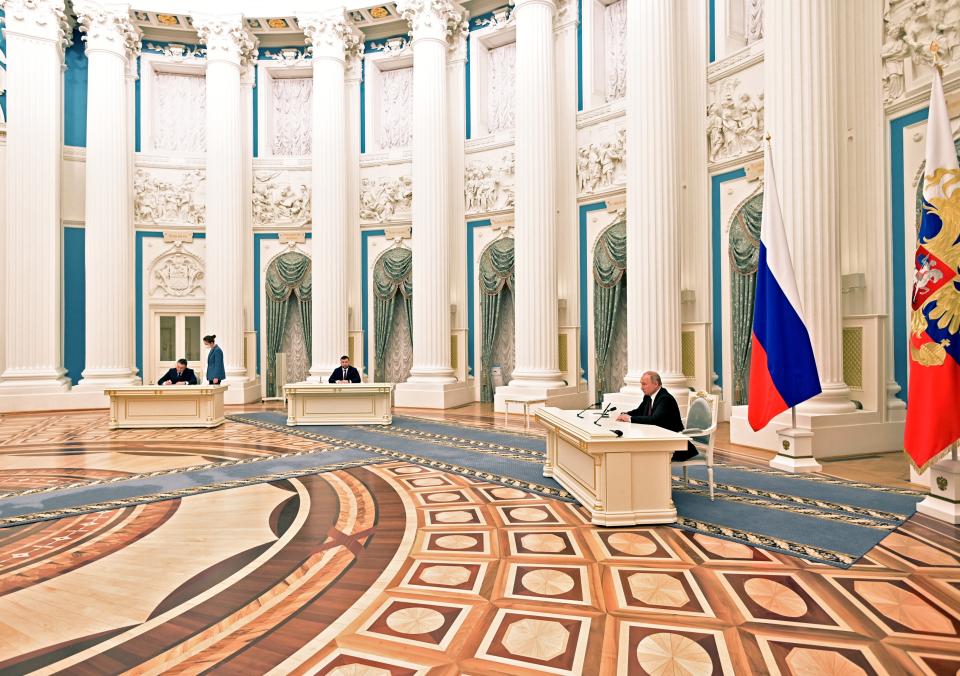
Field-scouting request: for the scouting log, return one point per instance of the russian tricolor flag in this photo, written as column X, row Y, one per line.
column 783, row 371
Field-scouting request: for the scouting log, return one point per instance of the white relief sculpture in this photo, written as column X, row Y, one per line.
column 275, row 203
column 597, row 163
column 176, row 274
column 396, row 108
column 384, row 198
column 910, row 27
column 498, row 18
column 158, row 201
column 177, row 52
column 179, row 112
column 394, row 46
column 500, row 106
column 615, row 33
column 735, row 124
column 288, row 57
column 753, row 30
column 486, row 187
column 292, row 129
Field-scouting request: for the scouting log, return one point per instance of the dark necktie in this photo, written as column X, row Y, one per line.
column 344, row 374
column 650, row 407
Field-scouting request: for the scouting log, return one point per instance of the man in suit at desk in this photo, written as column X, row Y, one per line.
column 658, row 408
column 345, row 373
column 179, row 375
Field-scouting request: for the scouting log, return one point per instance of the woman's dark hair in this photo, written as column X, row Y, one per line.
column 209, row 339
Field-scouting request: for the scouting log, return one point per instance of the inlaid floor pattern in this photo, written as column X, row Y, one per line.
column 402, row 569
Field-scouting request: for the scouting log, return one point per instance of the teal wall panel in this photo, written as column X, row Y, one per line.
column 74, row 302
column 75, row 95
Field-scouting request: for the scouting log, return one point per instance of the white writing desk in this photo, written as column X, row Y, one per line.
column 622, row 481
column 339, row 403
column 139, row 406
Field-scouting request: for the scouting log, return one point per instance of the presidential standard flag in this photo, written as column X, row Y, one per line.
column 933, row 400
column 783, row 371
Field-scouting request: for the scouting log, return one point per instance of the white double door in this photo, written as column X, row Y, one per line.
column 176, row 335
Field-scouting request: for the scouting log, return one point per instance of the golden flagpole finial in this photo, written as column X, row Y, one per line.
column 935, row 51
column 768, row 137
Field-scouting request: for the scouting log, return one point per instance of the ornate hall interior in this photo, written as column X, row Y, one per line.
column 488, row 207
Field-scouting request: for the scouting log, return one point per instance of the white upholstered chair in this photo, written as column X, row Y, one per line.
column 700, row 427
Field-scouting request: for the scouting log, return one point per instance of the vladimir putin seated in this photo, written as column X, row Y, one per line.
column 179, row 375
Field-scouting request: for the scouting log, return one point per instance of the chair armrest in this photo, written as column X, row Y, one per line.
column 693, row 431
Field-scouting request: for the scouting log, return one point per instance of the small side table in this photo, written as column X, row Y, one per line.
column 526, row 408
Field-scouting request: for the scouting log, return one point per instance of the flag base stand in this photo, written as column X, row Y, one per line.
column 943, row 502
column 795, row 451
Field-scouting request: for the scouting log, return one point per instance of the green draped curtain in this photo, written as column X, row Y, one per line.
column 744, row 251
column 609, row 283
column 392, row 275
column 496, row 274
column 288, row 277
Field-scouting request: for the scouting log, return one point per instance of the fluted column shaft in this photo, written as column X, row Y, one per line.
column 37, row 35
column 327, row 33
column 431, row 192
column 653, row 196
column 111, row 39
column 535, row 212
column 229, row 47
column 801, row 80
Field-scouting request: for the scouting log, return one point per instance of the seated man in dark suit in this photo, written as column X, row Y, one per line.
column 179, row 375
column 658, row 408
column 345, row 373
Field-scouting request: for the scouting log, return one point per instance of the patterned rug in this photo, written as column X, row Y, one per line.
column 811, row 516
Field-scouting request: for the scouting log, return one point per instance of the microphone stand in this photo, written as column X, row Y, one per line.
column 580, row 414
column 604, row 414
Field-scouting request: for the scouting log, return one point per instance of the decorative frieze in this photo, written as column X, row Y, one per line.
column 178, row 53
column 598, row 164
column 161, row 201
column 488, row 188
column 734, row 121
column 276, row 203
column 498, row 18
column 910, row 27
column 288, row 57
column 385, row 198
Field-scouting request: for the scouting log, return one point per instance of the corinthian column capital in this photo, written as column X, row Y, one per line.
column 433, row 19
column 107, row 27
column 39, row 19
column 227, row 38
column 330, row 35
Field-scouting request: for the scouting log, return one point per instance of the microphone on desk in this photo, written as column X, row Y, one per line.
column 603, row 413
column 580, row 414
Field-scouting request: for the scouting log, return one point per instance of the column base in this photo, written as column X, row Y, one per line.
column 796, row 452
column 69, row 400
column 241, row 390
column 432, row 394
column 47, row 381
column 834, row 436
column 97, row 381
column 565, row 397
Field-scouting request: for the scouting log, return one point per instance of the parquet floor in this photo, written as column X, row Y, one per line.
column 401, row 569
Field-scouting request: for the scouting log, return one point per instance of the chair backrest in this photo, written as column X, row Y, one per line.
column 700, row 412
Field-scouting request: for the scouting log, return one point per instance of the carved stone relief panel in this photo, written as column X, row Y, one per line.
column 179, row 112
column 488, row 184
column 602, row 163
column 910, row 27
column 735, row 124
column 176, row 272
column 171, row 197
column 753, row 16
column 385, row 198
column 500, row 93
column 396, row 108
column 291, row 119
column 615, row 49
column 280, row 200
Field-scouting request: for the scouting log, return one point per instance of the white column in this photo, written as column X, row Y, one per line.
column 111, row 41
column 355, row 320
column 456, row 125
column 432, row 382
column 330, row 36
column 800, row 78
column 37, row 35
column 653, row 200
column 229, row 48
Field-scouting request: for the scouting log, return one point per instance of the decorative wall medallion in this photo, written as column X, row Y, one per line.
column 384, row 198
column 275, row 203
column 597, row 163
column 161, row 201
column 176, row 274
column 735, row 123
column 786, row 445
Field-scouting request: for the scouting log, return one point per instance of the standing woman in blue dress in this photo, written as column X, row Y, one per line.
column 215, row 372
